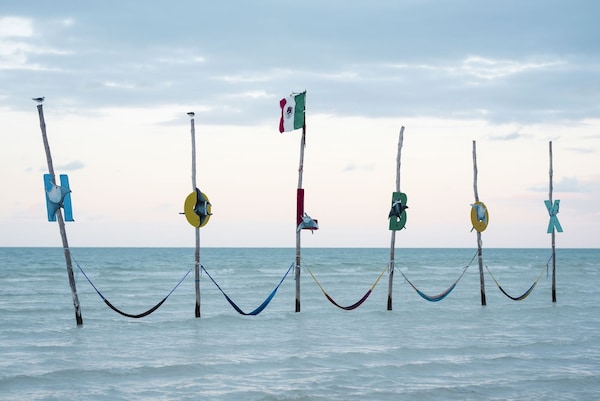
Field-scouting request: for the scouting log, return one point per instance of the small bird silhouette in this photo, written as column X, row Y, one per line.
column 39, row 99
column 191, row 114
column 397, row 209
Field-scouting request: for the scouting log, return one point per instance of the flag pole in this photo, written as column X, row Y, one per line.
column 551, row 173
column 196, row 228
column 479, row 251
column 292, row 114
column 59, row 216
column 299, row 211
column 393, row 241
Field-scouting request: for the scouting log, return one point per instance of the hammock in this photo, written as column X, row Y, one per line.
column 524, row 295
column 261, row 307
column 440, row 296
column 444, row 294
column 143, row 314
column 354, row 305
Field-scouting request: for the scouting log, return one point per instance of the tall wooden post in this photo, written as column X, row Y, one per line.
column 61, row 222
column 393, row 241
column 196, row 229
column 299, row 205
column 479, row 252
column 551, row 173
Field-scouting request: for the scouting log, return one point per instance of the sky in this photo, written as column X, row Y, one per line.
column 500, row 80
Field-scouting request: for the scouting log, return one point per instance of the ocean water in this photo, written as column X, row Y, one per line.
column 455, row 349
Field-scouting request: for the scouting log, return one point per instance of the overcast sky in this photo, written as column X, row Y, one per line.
column 120, row 76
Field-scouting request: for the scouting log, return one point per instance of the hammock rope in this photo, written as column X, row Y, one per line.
column 261, row 307
column 357, row 303
column 526, row 293
column 133, row 316
column 444, row 294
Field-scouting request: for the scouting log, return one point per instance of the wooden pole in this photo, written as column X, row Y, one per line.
column 553, row 232
column 393, row 241
column 61, row 222
column 479, row 252
column 196, row 229
column 299, row 232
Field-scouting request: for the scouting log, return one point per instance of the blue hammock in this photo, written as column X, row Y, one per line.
column 131, row 315
column 261, row 307
column 440, row 296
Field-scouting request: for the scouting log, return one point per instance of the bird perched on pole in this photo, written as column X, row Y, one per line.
column 39, row 99
column 397, row 209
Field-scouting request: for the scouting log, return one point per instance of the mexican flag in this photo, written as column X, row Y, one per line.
column 292, row 112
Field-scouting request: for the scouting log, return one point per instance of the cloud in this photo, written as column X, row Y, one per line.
column 379, row 73
column 11, row 27
column 566, row 184
column 244, row 78
column 508, row 137
column 182, row 58
column 491, row 69
column 355, row 167
column 17, row 48
column 582, row 150
column 257, row 94
column 72, row 166
column 120, row 85
column 66, row 22
column 483, row 68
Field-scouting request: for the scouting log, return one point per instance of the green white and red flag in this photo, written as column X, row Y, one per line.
column 292, row 112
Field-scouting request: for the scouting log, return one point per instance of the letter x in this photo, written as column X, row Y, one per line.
column 553, row 211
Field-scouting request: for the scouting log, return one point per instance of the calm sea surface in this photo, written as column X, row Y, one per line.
column 454, row 349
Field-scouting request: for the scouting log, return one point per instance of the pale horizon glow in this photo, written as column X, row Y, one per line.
column 118, row 85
